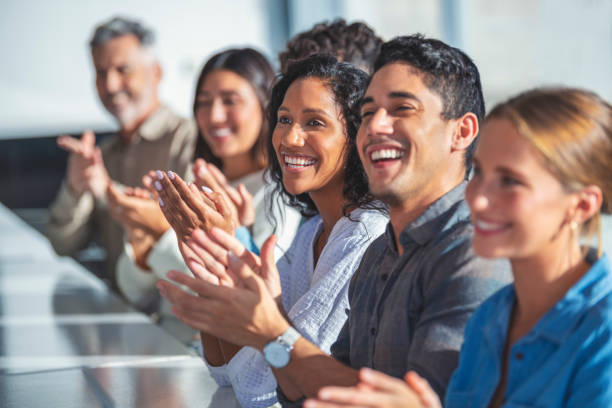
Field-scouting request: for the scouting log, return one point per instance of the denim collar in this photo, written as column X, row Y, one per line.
column 559, row 322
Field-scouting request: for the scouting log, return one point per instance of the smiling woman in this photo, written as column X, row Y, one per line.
column 313, row 163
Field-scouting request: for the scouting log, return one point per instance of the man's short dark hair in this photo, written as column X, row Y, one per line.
column 119, row 26
column 356, row 43
column 446, row 70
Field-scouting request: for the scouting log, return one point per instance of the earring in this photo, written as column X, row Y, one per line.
column 573, row 225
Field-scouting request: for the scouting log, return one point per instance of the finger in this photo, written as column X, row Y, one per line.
column 203, row 177
column 208, row 261
column 346, row 396
column 177, row 212
column 422, row 388
column 112, row 194
column 202, row 288
column 216, row 174
column 314, row 403
column 221, row 204
column 267, row 251
column 203, row 243
column 189, row 197
column 88, row 138
column 381, row 381
column 69, row 144
column 197, row 321
column 245, row 275
column 201, row 272
column 97, row 156
column 245, row 196
column 227, row 241
column 201, row 195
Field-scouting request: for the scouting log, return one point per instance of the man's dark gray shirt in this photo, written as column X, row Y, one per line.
column 408, row 311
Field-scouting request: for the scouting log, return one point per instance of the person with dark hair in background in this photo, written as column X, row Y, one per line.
column 150, row 135
column 418, row 283
column 229, row 107
column 356, row 43
column 314, row 163
column 541, row 182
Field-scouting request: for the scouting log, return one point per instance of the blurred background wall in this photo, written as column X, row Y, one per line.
column 47, row 80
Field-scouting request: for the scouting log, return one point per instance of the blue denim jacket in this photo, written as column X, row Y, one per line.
column 564, row 361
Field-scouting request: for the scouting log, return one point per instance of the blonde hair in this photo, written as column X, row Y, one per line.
column 572, row 130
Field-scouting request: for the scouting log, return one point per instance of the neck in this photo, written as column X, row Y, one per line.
column 541, row 280
column 238, row 166
column 326, row 201
column 403, row 213
column 127, row 130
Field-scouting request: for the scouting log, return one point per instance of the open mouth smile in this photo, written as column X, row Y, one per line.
column 296, row 162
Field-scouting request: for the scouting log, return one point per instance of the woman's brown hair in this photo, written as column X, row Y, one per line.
column 572, row 130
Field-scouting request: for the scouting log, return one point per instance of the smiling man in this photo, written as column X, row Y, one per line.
column 418, row 283
column 150, row 136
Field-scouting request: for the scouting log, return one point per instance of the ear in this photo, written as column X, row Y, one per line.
column 466, row 130
column 158, row 71
column 587, row 204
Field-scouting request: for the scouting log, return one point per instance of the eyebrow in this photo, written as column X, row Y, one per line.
column 223, row 93
column 393, row 95
column 307, row 110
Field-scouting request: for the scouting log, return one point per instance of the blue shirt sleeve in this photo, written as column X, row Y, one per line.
column 244, row 236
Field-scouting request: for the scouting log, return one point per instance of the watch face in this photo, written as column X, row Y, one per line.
column 276, row 355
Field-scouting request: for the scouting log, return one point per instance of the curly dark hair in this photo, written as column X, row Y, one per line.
column 347, row 84
column 256, row 69
column 447, row 71
column 356, row 43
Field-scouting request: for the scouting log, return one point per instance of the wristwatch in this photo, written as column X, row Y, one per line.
column 277, row 352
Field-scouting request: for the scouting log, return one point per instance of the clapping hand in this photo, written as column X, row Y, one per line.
column 243, row 313
column 136, row 208
column 239, row 200
column 85, row 170
column 188, row 208
column 378, row 390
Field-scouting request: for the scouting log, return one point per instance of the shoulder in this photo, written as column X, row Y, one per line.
column 360, row 225
column 174, row 124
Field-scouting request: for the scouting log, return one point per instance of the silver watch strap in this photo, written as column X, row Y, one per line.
column 289, row 337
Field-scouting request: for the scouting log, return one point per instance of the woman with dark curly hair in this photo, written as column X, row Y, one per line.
column 314, row 163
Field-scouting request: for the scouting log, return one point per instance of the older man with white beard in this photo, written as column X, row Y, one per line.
column 150, row 136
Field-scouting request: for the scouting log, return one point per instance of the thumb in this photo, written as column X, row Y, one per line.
column 267, row 254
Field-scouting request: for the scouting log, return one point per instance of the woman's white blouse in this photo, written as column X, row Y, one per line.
column 315, row 298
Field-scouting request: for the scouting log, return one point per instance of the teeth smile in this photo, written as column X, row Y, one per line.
column 298, row 161
column 385, row 154
column 488, row 226
column 221, row 132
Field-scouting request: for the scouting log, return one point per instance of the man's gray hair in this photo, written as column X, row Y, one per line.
column 119, row 26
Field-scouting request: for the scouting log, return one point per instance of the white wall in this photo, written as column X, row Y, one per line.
column 46, row 75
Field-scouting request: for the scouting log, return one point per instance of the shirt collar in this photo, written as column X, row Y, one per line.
column 159, row 119
column 441, row 215
column 559, row 322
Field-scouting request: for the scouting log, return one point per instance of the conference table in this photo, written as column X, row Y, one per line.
column 66, row 340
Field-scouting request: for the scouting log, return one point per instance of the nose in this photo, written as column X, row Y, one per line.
column 217, row 112
column 112, row 81
column 476, row 196
column 380, row 123
column 293, row 137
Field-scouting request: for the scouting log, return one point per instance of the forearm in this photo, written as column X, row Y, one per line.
column 68, row 227
column 211, row 350
column 228, row 349
column 311, row 369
